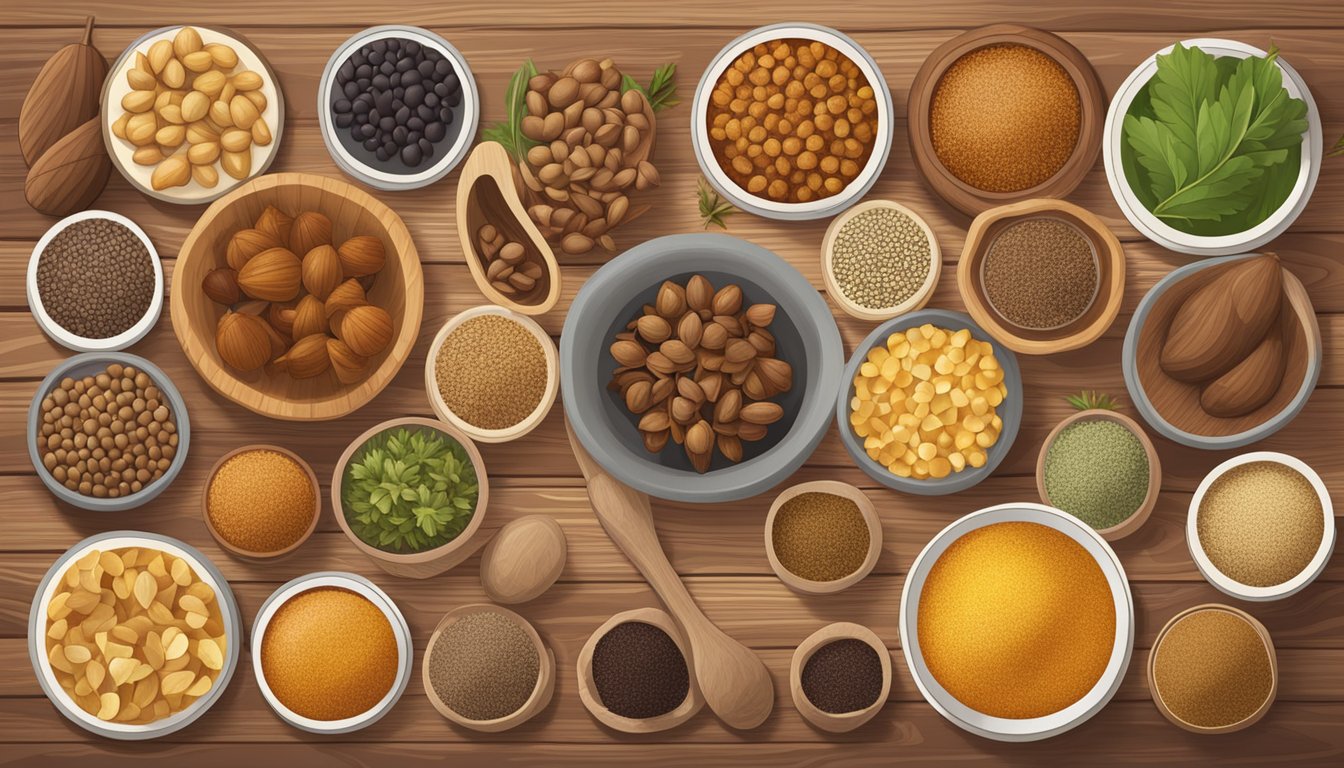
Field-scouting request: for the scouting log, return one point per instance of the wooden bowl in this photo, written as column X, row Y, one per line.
column 865, row 505
column 1273, row 668
column 829, row 721
column 1091, row 99
column 588, row 688
column 431, row 562
column 916, row 301
column 1084, row 329
column 541, row 694
column 245, row 554
column 548, row 395
column 399, row 289
column 1140, row 516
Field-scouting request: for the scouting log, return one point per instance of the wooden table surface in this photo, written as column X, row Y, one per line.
column 717, row 549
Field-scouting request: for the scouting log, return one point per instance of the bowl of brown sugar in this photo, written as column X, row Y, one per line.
column 261, row 502
column 822, row 537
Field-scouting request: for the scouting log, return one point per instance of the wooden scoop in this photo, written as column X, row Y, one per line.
column 735, row 683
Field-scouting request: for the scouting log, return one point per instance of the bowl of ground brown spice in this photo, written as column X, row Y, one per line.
column 261, row 502
column 822, row 537
column 1004, row 113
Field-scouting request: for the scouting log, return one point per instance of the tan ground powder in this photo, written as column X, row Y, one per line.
column 1261, row 523
column 491, row 372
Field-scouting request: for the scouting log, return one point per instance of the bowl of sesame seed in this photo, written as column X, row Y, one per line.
column 880, row 259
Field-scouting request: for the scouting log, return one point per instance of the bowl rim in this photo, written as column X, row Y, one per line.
column 205, row 570
column 542, row 691
column 348, row 398
column 957, row 481
column 734, row 255
column 428, row 555
column 123, row 63
column 529, row 422
column 1167, row 236
column 74, row 341
column 871, row 521
column 837, row 722
column 917, row 300
column 814, row 209
column 588, row 694
column 363, row 587
column 1029, row 729
column 375, row 177
column 1230, row 586
column 1129, row 365
column 176, row 404
column 237, row 551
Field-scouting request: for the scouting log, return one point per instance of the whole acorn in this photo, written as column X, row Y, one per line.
column 348, row 367
column 344, row 297
column 309, row 230
column 221, row 286
column 276, row 222
column 362, row 255
column 272, row 275
column 367, row 330
column 247, row 243
column 321, row 271
column 242, row 341
column 309, row 317
column 307, row 358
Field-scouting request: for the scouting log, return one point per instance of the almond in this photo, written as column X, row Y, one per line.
column 309, row 230
column 307, row 358
column 367, row 330
column 242, row 341
column 362, row 255
column 272, row 275
column 309, row 317
column 321, row 271
column 761, row 413
column 247, row 243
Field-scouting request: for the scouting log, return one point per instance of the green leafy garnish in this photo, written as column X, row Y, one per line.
column 510, row 131
column 1336, row 150
column 662, row 89
column 1088, row 400
column 1216, row 140
column 409, row 491
column 713, row 208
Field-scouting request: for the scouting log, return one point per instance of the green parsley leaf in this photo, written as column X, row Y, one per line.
column 510, row 132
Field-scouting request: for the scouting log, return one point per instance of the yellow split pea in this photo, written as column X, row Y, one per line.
column 925, row 402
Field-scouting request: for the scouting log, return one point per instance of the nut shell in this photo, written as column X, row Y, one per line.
column 307, row 358
column 321, row 271
column 221, row 286
column 362, row 255
column 367, row 330
column 272, row 275
column 344, row 297
column 349, row 367
column 247, row 243
column 276, row 222
column 309, row 318
column 242, row 341
column 309, row 230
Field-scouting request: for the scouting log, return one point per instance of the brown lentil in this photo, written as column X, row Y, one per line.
column 1212, row 669
column 792, row 120
column 107, row 435
column 639, row 671
column 1261, row 523
column 1040, row 273
column 491, row 372
column 95, row 278
column 261, row 501
column 843, row 676
column 1005, row 118
column 484, row 666
column 329, row 654
column 880, row 258
column 820, row 536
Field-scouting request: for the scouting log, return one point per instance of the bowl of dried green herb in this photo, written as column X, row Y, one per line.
column 410, row 493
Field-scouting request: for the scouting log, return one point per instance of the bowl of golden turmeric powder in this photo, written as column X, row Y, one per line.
column 261, row 502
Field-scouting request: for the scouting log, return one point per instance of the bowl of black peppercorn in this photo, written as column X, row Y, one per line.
column 398, row 107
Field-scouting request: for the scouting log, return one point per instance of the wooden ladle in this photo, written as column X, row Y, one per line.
column 735, row 683
column 486, row 195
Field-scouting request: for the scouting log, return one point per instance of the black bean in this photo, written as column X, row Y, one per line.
column 363, row 71
column 387, row 123
column 388, row 67
column 351, row 90
column 367, row 130
column 426, row 69
column 409, row 77
column 384, row 102
column 426, row 147
column 412, row 137
column 344, row 120
column 347, row 70
column 442, row 68
column 381, row 153
column 363, row 83
column 432, row 100
column 410, row 155
column 412, row 48
column 341, row 106
column 416, row 124
column 403, row 115
column 415, row 96
column 435, row 131
column 380, row 83
column 399, row 134
column 376, row 57
column 371, row 144
column 359, row 58
column 380, row 46
column 399, row 94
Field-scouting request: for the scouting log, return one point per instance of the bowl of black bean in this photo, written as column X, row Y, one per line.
column 398, row 107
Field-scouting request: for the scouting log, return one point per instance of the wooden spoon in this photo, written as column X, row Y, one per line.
column 486, row 195
column 735, row 683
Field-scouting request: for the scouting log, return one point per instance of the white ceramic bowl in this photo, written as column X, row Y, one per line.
column 815, row 209
column 449, row 154
column 80, row 343
column 37, row 622
column 1227, row 584
column 1028, row 729
column 1169, row 237
column 360, row 586
column 529, row 423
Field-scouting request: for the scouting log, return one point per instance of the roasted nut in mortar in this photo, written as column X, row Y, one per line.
column 247, row 243
column 321, row 271
column 242, row 341
column 309, row 230
column 361, row 255
column 273, row 275
column 348, row 367
column 367, row 330
column 221, row 286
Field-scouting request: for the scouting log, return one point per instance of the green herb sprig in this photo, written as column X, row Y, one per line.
column 713, row 208
column 509, row 132
column 409, row 491
column 1088, row 400
column 1336, row 150
column 662, row 89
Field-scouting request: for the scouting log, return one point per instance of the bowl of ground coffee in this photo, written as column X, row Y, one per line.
column 634, row 675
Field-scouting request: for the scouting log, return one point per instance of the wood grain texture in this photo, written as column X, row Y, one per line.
column 717, row 551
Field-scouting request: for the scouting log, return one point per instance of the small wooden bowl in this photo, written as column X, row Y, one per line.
column 865, row 505
column 247, row 554
column 547, row 397
column 916, row 301
column 1140, row 516
column 1273, row 669
column 1091, row 99
column 845, row 721
column 523, row 559
column 432, row 562
column 1084, row 329
column 541, row 694
column 588, row 688
column 399, row 289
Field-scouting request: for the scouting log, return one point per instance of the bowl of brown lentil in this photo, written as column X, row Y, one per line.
column 492, row 373
column 634, row 675
column 261, row 502
column 880, row 259
column 792, row 121
column 1042, row 276
column 95, row 282
column 840, row 676
column 96, row 442
column 822, row 537
column 1261, row 526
